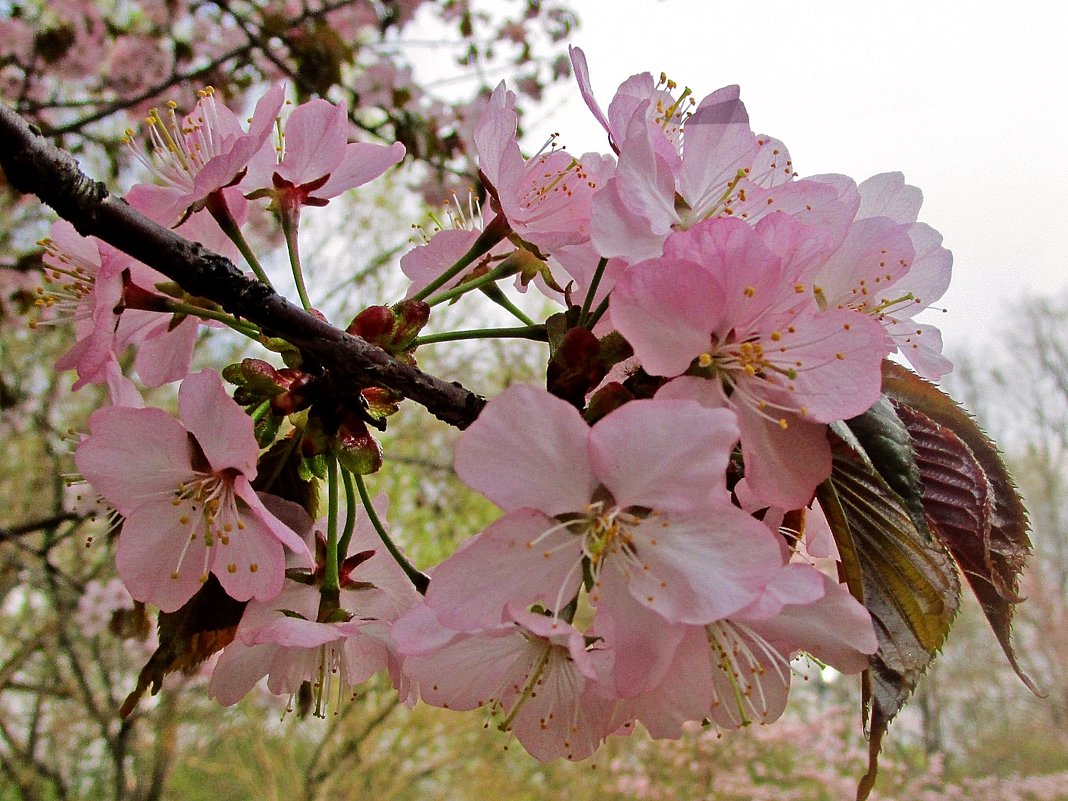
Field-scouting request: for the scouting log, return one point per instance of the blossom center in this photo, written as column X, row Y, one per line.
column 181, row 149
column 207, row 508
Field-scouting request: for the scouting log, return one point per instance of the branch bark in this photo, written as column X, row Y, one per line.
column 347, row 363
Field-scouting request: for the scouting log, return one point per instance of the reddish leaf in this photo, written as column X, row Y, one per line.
column 969, row 499
column 908, row 581
column 187, row 637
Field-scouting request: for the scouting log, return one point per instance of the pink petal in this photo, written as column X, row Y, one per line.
column 238, row 670
column 121, row 390
column 221, row 427
column 158, row 561
column 643, row 641
column 315, row 141
column 701, row 567
column 495, row 134
column 362, row 162
column 294, row 632
column 165, row 354
column 667, row 309
column 133, row 456
column 661, row 454
column 794, row 584
column 922, row 346
column 685, row 693
column 468, row 671
column 751, row 277
column 838, row 356
column 783, row 467
column 426, row 262
column 551, row 473
column 887, row 195
column 270, row 524
column 633, row 214
column 582, row 77
column 836, row 629
column 511, row 562
column 719, row 143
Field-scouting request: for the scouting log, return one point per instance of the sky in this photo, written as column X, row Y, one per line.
column 968, row 98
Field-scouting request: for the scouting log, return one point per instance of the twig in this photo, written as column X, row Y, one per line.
column 347, row 363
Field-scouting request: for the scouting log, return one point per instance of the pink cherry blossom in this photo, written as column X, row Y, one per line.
column 88, row 280
column 723, row 303
column 737, row 670
column 207, row 150
column 545, row 199
column 455, row 237
column 533, row 672
column 183, row 488
column 927, row 279
column 316, row 162
column 680, row 164
column 637, row 501
column 286, row 638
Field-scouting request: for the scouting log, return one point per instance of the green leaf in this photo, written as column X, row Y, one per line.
column 970, row 500
column 188, row 636
column 266, row 429
column 908, row 581
column 886, row 442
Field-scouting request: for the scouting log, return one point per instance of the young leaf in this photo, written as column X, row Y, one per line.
column 909, row 582
column 970, row 501
column 188, row 636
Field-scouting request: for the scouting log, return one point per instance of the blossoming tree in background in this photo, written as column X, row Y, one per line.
column 722, row 471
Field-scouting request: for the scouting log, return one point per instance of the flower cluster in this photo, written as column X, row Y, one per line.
column 659, row 557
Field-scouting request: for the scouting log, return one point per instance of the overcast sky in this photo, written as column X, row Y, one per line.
column 969, row 98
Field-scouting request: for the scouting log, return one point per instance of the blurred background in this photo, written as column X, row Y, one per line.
column 966, row 99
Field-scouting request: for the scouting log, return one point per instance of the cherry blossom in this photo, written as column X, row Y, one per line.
column 207, row 150
column 545, row 199
column 315, row 162
column 723, row 304
column 534, row 673
column 183, row 488
column 895, row 296
column 637, row 501
column 295, row 637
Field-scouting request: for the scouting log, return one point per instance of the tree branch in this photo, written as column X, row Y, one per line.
column 348, row 363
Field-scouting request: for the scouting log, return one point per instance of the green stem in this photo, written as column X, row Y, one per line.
column 350, row 515
column 290, row 226
column 221, row 212
column 533, row 332
column 249, row 330
column 597, row 314
column 505, row 269
column 497, row 296
column 261, row 410
column 493, row 234
column 598, row 273
column 331, row 580
column 419, row 580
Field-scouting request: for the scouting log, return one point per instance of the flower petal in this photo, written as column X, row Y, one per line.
column 512, row 561
column 528, row 448
column 221, row 427
column 134, row 456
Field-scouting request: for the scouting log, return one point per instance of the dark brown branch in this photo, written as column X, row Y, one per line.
column 348, row 363
column 11, row 532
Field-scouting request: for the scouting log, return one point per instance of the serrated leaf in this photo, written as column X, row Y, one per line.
column 887, row 444
column 188, row 636
column 969, row 498
column 909, row 584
